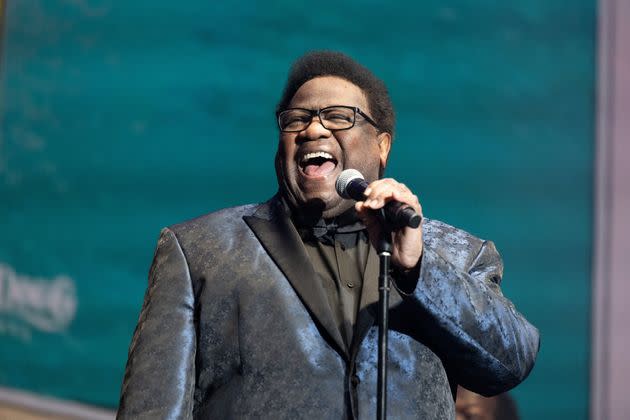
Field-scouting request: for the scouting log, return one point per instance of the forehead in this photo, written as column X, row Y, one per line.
column 325, row 91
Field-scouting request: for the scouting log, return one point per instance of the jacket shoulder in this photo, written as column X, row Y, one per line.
column 454, row 244
column 217, row 219
column 215, row 232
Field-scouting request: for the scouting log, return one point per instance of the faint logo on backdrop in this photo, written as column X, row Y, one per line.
column 35, row 303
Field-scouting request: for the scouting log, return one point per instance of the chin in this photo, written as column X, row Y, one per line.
column 317, row 200
column 336, row 209
column 324, row 206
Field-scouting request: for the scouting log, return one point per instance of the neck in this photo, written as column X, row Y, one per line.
column 310, row 216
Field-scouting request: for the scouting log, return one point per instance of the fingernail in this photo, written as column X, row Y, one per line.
column 367, row 191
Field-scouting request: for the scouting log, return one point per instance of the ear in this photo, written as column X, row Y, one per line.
column 384, row 144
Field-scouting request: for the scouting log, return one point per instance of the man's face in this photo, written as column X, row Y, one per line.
column 471, row 406
column 308, row 162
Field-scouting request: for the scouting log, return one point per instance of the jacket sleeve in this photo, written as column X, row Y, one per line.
column 160, row 374
column 464, row 317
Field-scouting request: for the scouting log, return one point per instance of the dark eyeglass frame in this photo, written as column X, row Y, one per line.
column 317, row 112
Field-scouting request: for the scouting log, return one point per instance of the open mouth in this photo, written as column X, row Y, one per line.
column 318, row 164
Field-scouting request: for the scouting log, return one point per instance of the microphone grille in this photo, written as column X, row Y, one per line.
column 344, row 178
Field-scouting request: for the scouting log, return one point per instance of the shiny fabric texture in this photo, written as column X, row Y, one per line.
column 235, row 326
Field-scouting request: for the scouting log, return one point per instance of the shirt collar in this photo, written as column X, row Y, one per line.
column 325, row 230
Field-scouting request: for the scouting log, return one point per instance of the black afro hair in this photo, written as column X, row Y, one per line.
column 331, row 63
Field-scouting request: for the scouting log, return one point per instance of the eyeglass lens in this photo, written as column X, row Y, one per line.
column 332, row 118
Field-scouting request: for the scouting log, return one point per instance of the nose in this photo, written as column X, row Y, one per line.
column 315, row 130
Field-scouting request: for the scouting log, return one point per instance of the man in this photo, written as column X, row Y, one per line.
column 472, row 406
column 268, row 310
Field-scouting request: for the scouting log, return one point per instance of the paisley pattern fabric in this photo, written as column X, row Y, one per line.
column 235, row 326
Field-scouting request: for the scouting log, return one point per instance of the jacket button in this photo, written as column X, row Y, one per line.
column 355, row 380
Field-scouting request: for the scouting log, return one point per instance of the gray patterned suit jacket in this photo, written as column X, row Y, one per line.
column 235, row 325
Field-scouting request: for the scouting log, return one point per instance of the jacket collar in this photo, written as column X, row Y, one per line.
column 275, row 231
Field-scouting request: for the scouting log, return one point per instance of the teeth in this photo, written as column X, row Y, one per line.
column 314, row 155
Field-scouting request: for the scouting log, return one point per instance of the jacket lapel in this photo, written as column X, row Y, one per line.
column 278, row 236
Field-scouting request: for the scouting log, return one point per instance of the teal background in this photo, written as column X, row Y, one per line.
column 119, row 118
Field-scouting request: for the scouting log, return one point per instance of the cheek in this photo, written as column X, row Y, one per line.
column 364, row 155
column 286, row 147
column 372, row 167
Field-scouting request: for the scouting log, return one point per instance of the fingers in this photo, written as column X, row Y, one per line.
column 383, row 190
column 407, row 243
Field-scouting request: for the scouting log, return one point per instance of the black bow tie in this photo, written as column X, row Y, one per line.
column 329, row 232
column 343, row 228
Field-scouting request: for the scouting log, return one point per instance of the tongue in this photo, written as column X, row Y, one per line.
column 319, row 170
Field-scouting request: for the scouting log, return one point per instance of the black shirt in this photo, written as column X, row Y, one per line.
column 340, row 266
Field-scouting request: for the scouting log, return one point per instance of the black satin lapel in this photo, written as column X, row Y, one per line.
column 282, row 242
column 368, row 313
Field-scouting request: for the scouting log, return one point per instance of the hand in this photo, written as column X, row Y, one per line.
column 406, row 242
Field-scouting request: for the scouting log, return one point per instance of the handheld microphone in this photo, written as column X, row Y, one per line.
column 351, row 184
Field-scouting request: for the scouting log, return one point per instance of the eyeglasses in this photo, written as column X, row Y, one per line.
column 337, row 117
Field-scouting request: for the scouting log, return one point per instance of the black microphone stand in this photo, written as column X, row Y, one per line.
column 384, row 254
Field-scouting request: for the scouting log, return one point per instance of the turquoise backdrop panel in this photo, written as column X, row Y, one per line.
column 119, row 118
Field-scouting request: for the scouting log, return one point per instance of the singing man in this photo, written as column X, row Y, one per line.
column 269, row 310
